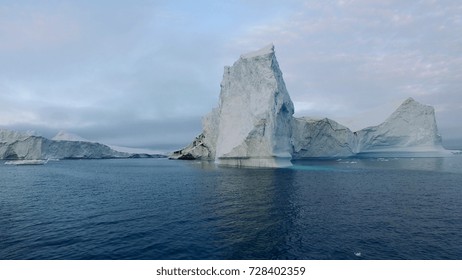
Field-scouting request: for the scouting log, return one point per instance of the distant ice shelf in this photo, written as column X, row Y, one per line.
column 16, row 145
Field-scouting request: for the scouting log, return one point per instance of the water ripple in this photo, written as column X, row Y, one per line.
column 160, row 209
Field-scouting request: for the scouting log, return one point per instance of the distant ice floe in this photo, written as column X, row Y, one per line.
column 26, row 162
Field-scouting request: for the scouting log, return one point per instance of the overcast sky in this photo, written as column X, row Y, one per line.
column 143, row 73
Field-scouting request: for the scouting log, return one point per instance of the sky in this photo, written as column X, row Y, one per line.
column 143, row 73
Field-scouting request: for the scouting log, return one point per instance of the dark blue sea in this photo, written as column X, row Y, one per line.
column 408, row 208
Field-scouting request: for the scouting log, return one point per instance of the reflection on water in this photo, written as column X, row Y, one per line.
column 252, row 212
column 385, row 208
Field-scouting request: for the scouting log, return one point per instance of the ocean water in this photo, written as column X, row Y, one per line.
column 408, row 208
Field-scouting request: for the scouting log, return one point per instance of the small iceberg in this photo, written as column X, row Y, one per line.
column 27, row 162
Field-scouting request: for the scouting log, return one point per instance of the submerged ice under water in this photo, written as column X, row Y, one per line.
column 159, row 209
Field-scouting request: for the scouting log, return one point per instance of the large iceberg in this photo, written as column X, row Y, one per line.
column 253, row 124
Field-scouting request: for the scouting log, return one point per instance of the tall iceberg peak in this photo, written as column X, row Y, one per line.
column 255, row 112
column 252, row 124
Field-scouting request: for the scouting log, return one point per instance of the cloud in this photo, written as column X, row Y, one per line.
column 121, row 61
column 23, row 28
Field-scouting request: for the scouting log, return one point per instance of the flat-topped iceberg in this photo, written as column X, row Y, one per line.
column 253, row 124
column 25, row 146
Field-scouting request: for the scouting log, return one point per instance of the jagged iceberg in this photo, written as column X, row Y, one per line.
column 253, row 124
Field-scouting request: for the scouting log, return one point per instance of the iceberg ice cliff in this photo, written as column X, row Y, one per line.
column 20, row 145
column 253, row 124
